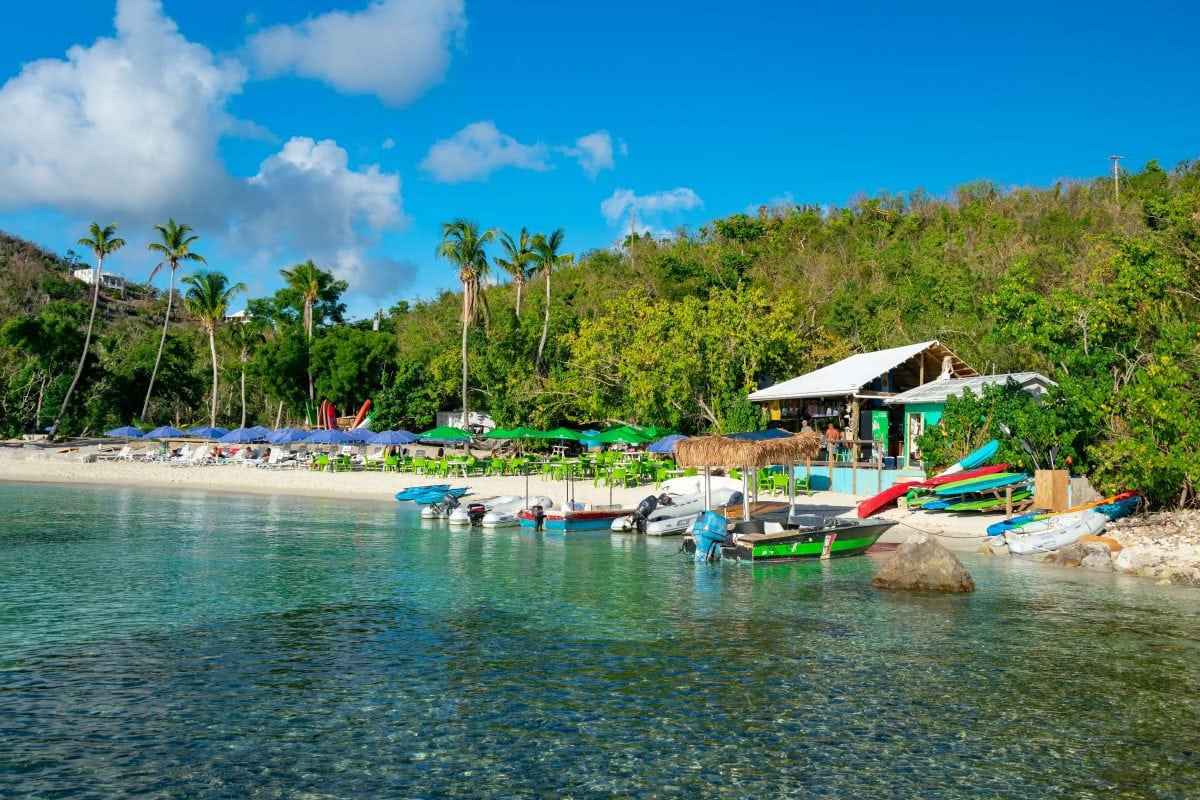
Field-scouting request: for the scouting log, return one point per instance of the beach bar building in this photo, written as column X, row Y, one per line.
column 852, row 393
column 924, row 405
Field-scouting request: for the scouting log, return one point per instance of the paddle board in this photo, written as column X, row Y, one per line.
column 989, row 503
column 997, row 481
column 938, row 504
column 873, row 505
column 362, row 413
column 973, row 459
column 941, row 480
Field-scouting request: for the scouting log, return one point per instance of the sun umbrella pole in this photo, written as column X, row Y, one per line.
column 745, row 493
column 791, row 485
column 707, row 489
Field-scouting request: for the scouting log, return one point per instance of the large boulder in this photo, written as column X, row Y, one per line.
column 923, row 563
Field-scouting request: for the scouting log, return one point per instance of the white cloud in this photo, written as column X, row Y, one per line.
column 394, row 49
column 389, row 143
column 377, row 277
column 307, row 195
column 129, row 124
column 594, row 152
column 128, row 128
column 478, row 150
column 654, row 205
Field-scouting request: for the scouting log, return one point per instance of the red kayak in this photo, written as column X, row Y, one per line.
column 873, row 505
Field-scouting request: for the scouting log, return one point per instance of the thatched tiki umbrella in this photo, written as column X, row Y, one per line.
column 721, row 451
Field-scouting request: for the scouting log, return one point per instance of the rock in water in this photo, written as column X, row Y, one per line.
column 923, row 563
column 1127, row 562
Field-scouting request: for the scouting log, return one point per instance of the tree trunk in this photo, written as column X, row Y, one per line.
column 519, row 284
column 243, row 381
column 308, row 335
column 537, row 364
column 161, row 342
column 466, row 415
column 212, row 346
column 278, row 416
column 87, row 341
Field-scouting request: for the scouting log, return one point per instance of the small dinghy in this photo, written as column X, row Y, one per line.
column 672, row 515
column 440, row 507
column 1047, row 535
column 473, row 513
column 507, row 517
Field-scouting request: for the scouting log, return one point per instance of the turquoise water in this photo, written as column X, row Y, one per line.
column 203, row 645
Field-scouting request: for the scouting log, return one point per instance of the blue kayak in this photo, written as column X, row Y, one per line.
column 417, row 491
column 438, row 496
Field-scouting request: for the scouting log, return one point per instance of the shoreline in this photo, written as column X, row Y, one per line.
column 1168, row 552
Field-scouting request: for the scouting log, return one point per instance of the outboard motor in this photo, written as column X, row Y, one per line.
column 475, row 513
column 449, row 503
column 709, row 534
column 539, row 517
column 735, row 499
column 643, row 512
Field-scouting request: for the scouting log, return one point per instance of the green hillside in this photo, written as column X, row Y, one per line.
column 676, row 330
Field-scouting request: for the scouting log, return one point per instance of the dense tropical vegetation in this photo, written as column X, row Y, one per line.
column 1101, row 296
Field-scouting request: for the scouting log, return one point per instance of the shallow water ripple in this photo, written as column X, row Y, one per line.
column 211, row 646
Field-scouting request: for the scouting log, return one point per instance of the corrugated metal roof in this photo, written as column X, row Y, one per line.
column 846, row 376
column 937, row 391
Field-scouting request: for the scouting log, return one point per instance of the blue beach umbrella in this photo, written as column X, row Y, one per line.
column 359, row 434
column 666, row 444
column 261, row 432
column 761, row 436
column 243, row 435
column 165, row 432
column 125, row 431
column 207, row 432
column 393, row 438
column 286, row 436
column 331, row 436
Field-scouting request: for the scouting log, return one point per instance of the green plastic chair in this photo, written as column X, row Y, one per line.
column 391, row 464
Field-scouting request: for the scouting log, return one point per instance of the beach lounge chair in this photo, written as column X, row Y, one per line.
column 123, row 454
column 184, row 454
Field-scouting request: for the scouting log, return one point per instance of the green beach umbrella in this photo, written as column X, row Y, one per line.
column 448, row 432
column 563, row 434
column 623, row 435
column 498, row 433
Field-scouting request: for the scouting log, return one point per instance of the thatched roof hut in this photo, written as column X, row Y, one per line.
column 721, row 451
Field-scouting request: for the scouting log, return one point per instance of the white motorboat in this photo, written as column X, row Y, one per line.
column 673, row 514
column 1054, row 532
column 503, row 518
column 462, row 514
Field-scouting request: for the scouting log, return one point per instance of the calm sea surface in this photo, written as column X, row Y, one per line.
column 202, row 645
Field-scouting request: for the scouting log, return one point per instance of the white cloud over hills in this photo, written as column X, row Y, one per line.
column 615, row 206
column 129, row 128
column 394, row 49
column 480, row 148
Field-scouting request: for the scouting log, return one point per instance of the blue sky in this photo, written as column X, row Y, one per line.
column 349, row 131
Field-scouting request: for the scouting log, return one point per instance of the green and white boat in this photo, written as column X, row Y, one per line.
column 792, row 536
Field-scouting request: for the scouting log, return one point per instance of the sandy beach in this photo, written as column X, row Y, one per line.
column 44, row 465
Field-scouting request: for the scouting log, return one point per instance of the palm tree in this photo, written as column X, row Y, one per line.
column 520, row 256
column 102, row 241
column 175, row 247
column 246, row 336
column 207, row 299
column 547, row 257
column 309, row 281
column 463, row 245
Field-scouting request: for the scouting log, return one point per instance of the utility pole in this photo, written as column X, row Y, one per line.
column 1116, row 176
column 632, row 231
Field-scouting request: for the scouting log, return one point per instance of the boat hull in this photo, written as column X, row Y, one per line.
column 572, row 521
column 800, row 545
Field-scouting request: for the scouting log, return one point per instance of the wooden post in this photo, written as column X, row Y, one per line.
column 1050, row 489
column 855, row 405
